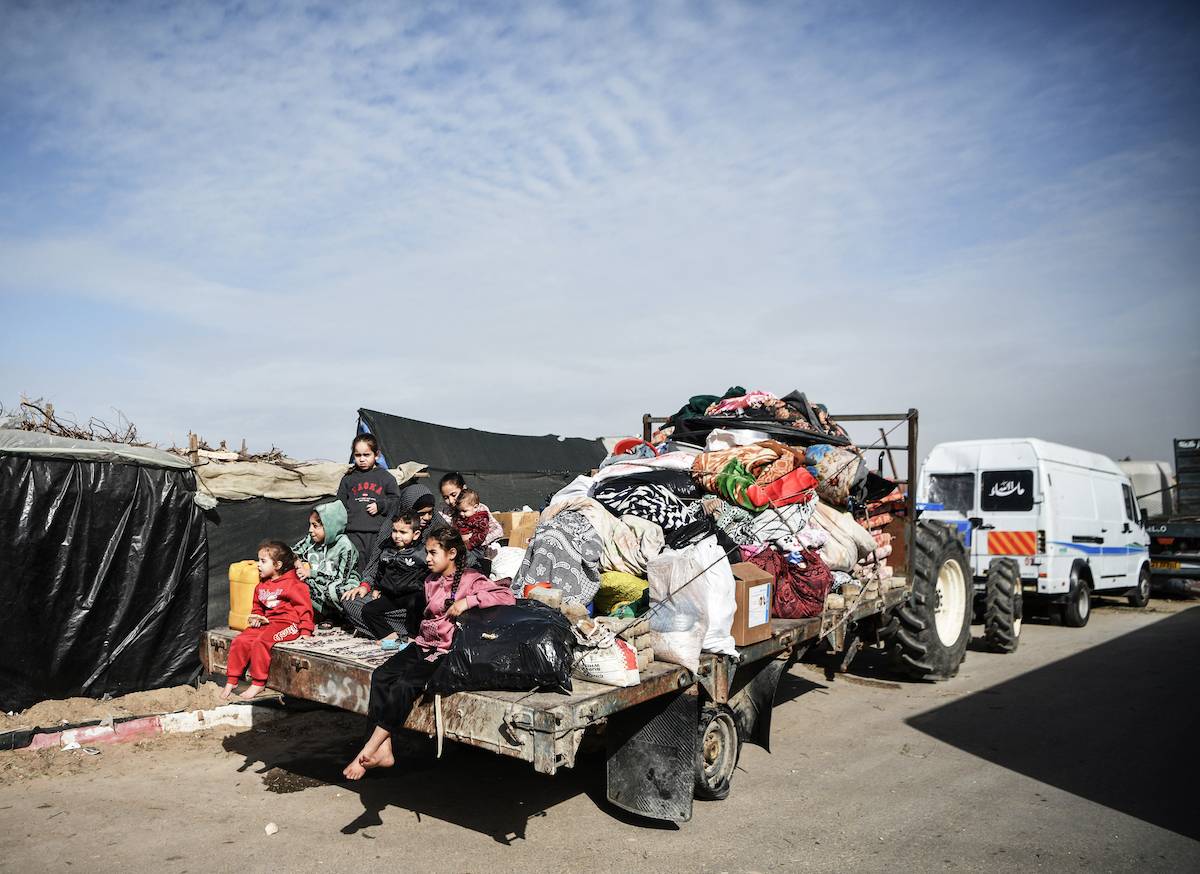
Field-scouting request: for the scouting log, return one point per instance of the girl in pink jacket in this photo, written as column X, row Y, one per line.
column 450, row 590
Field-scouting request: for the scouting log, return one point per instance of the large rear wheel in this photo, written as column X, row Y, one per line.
column 929, row 638
column 1003, row 606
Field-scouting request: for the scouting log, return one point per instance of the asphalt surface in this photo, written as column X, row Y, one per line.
column 1078, row 752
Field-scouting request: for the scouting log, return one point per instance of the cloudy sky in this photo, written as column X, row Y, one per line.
column 251, row 220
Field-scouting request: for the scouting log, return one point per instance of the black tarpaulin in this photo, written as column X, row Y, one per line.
column 508, row 470
column 105, row 564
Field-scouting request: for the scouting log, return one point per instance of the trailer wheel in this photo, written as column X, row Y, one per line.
column 1140, row 596
column 1078, row 609
column 929, row 639
column 717, row 750
column 1004, row 608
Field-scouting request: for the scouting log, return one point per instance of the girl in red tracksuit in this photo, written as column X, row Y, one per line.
column 281, row 611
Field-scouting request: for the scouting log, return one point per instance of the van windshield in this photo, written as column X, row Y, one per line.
column 1006, row 491
column 954, row 491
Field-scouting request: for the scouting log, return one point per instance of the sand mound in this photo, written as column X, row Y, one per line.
column 49, row 714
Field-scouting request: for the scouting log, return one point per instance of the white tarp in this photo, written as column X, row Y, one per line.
column 299, row 481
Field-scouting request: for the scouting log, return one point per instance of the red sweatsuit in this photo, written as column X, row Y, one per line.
column 287, row 606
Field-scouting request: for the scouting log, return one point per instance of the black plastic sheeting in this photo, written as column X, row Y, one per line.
column 235, row 529
column 105, row 578
column 508, row 470
column 514, row 648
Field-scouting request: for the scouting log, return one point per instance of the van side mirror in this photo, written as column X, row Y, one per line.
column 976, row 522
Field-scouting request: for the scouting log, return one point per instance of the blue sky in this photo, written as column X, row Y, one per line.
column 250, row 220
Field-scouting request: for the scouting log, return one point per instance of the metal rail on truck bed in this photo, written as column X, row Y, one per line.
column 543, row 728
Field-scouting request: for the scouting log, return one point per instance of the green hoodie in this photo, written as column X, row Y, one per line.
column 333, row 561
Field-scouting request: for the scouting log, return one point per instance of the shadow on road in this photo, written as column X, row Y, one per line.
column 471, row 788
column 1117, row 724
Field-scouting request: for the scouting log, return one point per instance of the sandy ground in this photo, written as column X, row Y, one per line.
column 72, row 711
column 1076, row 753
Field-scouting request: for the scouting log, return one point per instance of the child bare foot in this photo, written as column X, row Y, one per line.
column 383, row 758
column 227, row 691
column 251, row 692
column 355, row 770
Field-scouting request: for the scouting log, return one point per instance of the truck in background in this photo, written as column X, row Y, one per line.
column 1065, row 519
column 1175, row 535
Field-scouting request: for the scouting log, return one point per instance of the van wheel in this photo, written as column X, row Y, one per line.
column 929, row 640
column 717, row 749
column 1078, row 609
column 1140, row 596
column 1003, row 608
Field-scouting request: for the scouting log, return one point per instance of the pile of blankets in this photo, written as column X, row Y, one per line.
column 751, row 490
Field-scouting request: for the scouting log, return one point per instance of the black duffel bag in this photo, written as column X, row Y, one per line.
column 520, row 648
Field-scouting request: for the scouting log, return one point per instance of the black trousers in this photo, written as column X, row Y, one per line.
column 380, row 616
column 396, row 685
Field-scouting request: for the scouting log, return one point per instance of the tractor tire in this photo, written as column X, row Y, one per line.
column 718, row 748
column 1078, row 609
column 927, row 636
column 1003, row 606
column 1140, row 596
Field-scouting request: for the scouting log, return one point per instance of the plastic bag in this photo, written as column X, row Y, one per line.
column 692, row 603
column 605, row 657
column 507, row 562
column 515, row 648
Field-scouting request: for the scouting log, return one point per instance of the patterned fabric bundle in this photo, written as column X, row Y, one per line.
column 736, row 522
column 565, row 552
column 765, row 462
column 732, row 482
column 627, row 543
column 784, row 526
column 800, row 589
column 681, row 523
column 837, row 472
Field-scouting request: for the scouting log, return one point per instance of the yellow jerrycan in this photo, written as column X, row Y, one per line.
column 243, row 577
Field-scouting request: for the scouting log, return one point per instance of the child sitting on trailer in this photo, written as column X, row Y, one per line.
column 281, row 611
column 450, row 590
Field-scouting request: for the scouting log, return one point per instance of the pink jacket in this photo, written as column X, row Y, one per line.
column 436, row 630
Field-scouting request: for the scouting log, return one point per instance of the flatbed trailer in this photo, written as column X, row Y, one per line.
column 546, row 729
column 675, row 735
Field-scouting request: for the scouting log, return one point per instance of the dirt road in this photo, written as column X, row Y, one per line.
column 1078, row 752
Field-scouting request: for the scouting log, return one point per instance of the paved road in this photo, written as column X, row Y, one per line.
column 1075, row 753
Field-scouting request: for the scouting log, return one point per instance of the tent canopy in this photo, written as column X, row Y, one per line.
column 508, row 470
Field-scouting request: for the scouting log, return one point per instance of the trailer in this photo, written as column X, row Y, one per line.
column 676, row 735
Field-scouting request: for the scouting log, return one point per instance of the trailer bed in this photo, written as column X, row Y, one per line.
column 543, row 728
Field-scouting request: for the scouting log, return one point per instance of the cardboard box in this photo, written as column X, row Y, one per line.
column 752, row 620
column 518, row 527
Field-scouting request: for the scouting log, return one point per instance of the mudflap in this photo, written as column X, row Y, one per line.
column 652, row 756
column 752, row 697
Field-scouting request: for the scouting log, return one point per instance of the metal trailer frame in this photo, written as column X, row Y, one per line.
column 649, row 729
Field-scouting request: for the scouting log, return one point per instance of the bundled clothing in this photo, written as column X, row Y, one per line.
column 398, row 682
column 564, row 552
column 285, row 604
column 682, row 522
column 357, row 490
column 333, row 562
column 627, row 542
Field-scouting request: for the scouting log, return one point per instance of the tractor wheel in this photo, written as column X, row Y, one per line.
column 929, row 638
column 1003, row 610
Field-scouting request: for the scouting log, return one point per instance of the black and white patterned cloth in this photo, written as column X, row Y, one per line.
column 565, row 552
column 682, row 522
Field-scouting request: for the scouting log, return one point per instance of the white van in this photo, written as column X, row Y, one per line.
column 1067, row 516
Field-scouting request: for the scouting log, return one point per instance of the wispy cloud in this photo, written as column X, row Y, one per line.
column 544, row 216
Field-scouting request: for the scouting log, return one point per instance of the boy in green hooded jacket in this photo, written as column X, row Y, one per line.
column 326, row 559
